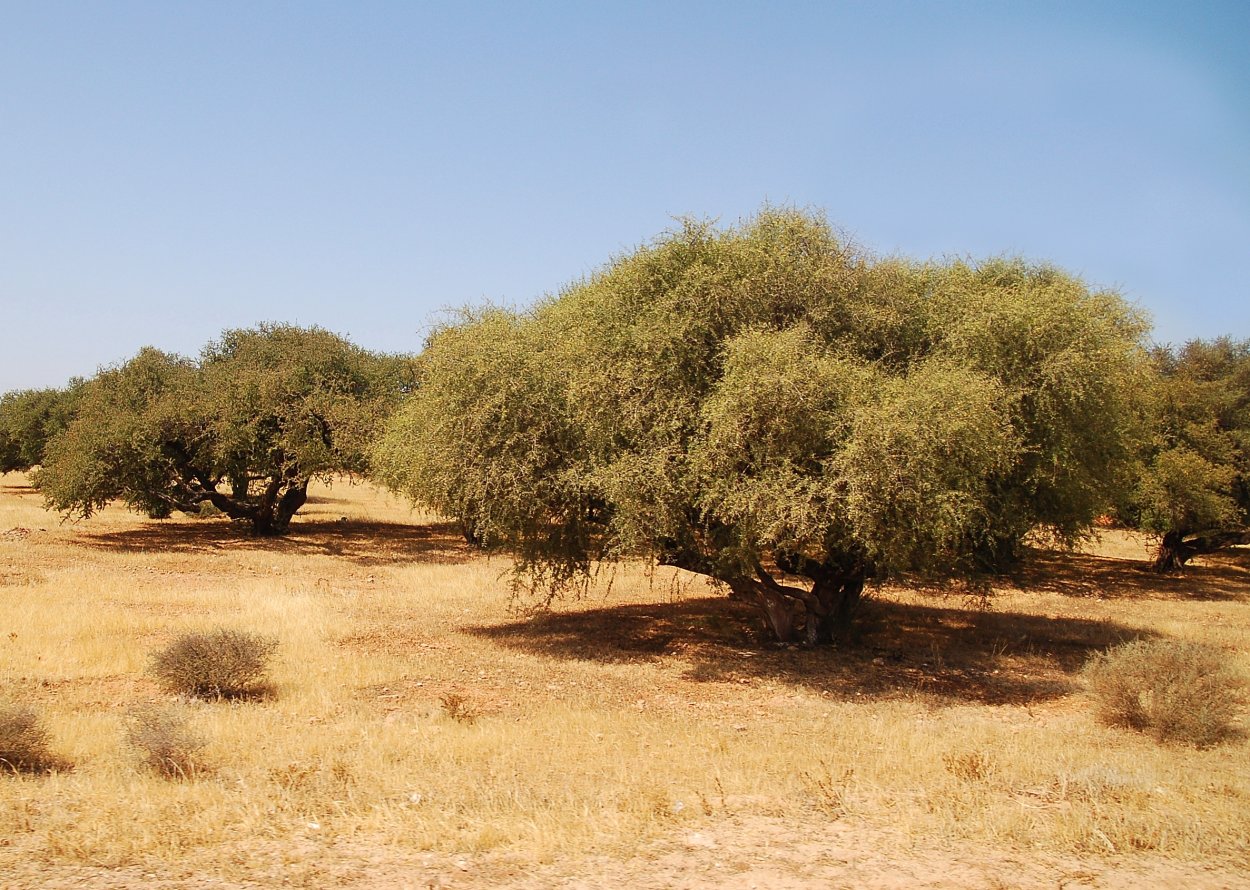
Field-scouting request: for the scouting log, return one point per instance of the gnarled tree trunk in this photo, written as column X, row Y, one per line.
column 798, row 615
column 1177, row 548
column 793, row 614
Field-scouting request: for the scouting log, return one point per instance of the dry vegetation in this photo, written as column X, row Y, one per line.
column 419, row 732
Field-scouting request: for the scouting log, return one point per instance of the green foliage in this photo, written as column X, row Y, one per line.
column 244, row 428
column 1196, row 474
column 767, row 397
column 482, row 381
column 24, row 743
column 219, row 663
column 1072, row 367
column 166, row 743
column 28, row 419
column 1176, row 692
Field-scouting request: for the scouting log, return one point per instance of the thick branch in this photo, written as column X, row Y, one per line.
column 680, row 557
column 1176, row 549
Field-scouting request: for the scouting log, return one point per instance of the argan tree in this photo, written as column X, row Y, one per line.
column 29, row 419
column 245, row 428
column 1195, row 484
column 770, row 407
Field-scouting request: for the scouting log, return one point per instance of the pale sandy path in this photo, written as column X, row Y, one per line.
column 738, row 854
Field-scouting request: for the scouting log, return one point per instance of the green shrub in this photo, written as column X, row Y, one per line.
column 216, row 664
column 166, row 743
column 24, row 742
column 1175, row 691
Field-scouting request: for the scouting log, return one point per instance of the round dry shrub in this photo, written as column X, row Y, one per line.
column 218, row 663
column 1175, row 691
column 24, row 742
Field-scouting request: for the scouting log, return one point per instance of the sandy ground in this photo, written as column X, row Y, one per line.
column 737, row 854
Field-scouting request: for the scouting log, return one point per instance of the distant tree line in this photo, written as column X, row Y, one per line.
column 764, row 404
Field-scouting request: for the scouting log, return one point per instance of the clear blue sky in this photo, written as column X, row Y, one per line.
column 171, row 169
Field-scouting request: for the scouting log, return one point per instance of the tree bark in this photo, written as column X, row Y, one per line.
column 469, row 531
column 837, row 586
column 792, row 614
column 271, row 514
column 781, row 607
column 289, row 504
column 1176, row 548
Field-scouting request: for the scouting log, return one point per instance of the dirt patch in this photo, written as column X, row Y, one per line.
column 20, row 533
column 104, row 693
column 19, row 577
column 752, row 853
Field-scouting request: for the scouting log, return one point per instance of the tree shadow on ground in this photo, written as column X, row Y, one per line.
column 957, row 654
column 325, row 499
column 1219, row 576
column 363, row 542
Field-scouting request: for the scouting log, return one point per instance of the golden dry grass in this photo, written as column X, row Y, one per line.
column 647, row 710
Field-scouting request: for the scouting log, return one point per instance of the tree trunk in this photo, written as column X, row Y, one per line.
column 1176, row 549
column 288, row 505
column 238, row 486
column 836, row 596
column 782, row 611
column 1169, row 558
column 468, row 531
column 816, row 617
column 268, row 516
column 793, row 614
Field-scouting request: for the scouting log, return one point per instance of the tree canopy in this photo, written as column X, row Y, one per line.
column 773, row 408
column 28, row 419
column 1194, row 489
column 243, row 428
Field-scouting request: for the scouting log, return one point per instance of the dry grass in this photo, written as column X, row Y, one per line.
column 636, row 713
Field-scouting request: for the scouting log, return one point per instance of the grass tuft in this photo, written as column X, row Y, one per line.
column 166, row 743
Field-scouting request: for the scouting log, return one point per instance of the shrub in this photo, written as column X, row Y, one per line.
column 1175, row 691
column 216, row 664
column 457, row 707
column 166, row 743
column 24, row 742
column 207, row 511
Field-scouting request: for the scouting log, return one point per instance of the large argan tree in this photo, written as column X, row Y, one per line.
column 1195, row 484
column 245, row 428
column 768, row 406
